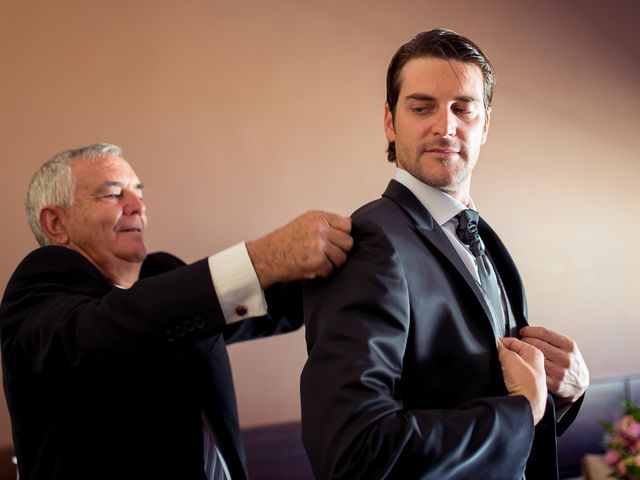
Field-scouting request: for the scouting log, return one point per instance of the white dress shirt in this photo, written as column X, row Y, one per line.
column 236, row 284
column 443, row 208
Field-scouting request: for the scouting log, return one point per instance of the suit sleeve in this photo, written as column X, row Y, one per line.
column 59, row 314
column 284, row 314
column 354, row 422
column 284, row 304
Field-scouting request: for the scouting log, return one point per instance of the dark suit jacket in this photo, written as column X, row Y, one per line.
column 108, row 383
column 403, row 378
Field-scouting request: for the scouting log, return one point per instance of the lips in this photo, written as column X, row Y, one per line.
column 446, row 152
column 442, row 148
column 128, row 229
column 442, row 153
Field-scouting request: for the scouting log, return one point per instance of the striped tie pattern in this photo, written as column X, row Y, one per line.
column 467, row 232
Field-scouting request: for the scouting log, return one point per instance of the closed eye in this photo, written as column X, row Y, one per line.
column 112, row 195
column 464, row 106
column 422, row 109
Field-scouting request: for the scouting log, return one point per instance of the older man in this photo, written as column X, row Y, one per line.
column 114, row 360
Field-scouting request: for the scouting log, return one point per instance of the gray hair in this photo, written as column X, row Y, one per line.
column 54, row 183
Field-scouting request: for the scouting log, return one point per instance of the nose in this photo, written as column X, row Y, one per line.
column 133, row 204
column 444, row 123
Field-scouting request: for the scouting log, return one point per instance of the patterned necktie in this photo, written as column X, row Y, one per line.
column 214, row 467
column 468, row 234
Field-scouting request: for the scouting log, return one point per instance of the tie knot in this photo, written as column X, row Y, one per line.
column 467, row 231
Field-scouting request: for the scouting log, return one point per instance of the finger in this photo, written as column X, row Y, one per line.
column 513, row 344
column 552, row 384
column 549, row 351
column 553, row 371
column 335, row 255
column 528, row 352
column 325, row 269
column 338, row 221
column 553, row 379
column 554, row 338
column 503, row 352
column 506, row 354
column 340, row 239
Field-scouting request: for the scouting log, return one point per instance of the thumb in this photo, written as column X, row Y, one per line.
column 517, row 346
column 503, row 350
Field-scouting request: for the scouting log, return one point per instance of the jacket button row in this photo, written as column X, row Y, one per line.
column 180, row 330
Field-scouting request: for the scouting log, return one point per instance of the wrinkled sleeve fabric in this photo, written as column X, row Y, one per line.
column 354, row 423
column 276, row 310
column 59, row 314
column 284, row 315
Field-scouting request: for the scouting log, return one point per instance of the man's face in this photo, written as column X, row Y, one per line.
column 439, row 123
column 107, row 220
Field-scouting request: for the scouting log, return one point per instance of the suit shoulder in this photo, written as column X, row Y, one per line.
column 53, row 265
column 375, row 209
column 54, row 259
column 381, row 216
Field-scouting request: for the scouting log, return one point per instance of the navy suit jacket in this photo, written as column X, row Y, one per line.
column 104, row 383
column 403, row 378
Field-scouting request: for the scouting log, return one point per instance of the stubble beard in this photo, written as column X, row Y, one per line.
column 449, row 179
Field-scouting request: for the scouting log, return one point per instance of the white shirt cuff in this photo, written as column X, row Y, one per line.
column 236, row 284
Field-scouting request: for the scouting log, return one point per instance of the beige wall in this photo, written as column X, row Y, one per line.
column 238, row 117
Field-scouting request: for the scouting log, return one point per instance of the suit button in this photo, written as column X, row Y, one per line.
column 179, row 331
column 199, row 322
column 188, row 326
column 241, row 310
column 169, row 336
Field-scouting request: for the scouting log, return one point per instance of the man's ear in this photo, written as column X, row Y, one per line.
column 52, row 223
column 485, row 129
column 389, row 129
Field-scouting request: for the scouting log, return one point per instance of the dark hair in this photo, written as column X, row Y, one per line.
column 438, row 43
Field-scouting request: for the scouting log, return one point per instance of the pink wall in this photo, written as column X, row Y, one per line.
column 239, row 117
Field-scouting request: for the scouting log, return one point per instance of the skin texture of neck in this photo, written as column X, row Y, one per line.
column 462, row 193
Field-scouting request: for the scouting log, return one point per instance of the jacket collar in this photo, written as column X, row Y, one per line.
column 433, row 234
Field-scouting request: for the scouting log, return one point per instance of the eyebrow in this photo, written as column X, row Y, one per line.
column 113, row 183
column 429, row 98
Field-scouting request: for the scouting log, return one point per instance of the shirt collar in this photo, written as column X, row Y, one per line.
column 442, row 206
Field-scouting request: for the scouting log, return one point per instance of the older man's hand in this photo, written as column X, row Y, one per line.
column 566, row 370
column 311, row 245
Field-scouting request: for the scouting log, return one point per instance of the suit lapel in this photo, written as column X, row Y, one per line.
column 432, row 233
